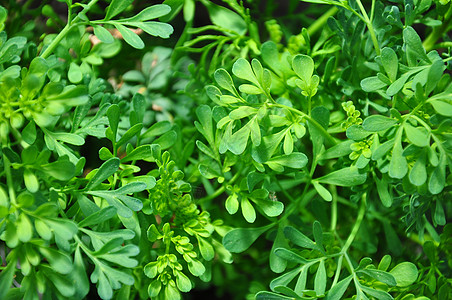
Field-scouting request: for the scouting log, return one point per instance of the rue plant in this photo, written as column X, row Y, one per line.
column 299, row 151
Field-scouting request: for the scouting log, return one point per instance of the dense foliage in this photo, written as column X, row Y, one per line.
column 245, row 149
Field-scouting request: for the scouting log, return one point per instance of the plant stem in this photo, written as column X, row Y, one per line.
column 437, row 32
column 333, row 208
column 355, row 229
column 56, row 41
column 338, row 270
column 71, row 24
column 320, row 22
column 369, row 25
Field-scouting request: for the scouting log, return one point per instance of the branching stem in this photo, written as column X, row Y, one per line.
column 71, row 24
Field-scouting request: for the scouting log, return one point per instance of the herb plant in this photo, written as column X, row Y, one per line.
column 292, row 150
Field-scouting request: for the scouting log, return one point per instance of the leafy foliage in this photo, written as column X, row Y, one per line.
column 243, row 152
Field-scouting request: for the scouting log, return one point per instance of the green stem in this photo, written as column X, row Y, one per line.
column 56, row 41
column 369, row 26
column 320, row 22
column 442, row 45
column 338, row 270
column 334, row 208
column 438, row 32
column 71, row 24
column 357, row 225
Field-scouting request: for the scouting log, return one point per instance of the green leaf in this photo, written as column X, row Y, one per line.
column 303, row 66
column 6, row 278
column 271, row 208
column 154, row 288
column 183, row 282
column 75, row 73
column 31, row 181
column 298, row 238
column 59, row 261
column 271, row 296
column 338, row 290
column 69, row 138
column 242, row 69
column 157, row 129
column 285, row 279
column 196, row 268
column 290, row 256
column 442, row 107
column 107, row 169
column 98, row 217
column 372, row 84
column 437, row 180
column 226, row 18
column 250, row 89
column 242, row 112
column 60, row 169
column 377, row 123
column 378, row 294
column 382, row 189
column 320, row 279
column 205, row 248
column 248, row 211
column 29, row 133
column 339, row 150
column 383, row 149
column 208, row 171
column 130, row 133
column 318, row 234
column 414, row 43
column 24, row 228
column 390, row 62
column 62, row 283
column 240, row 239
column 103, row 34
column 129, row 36
column 295, row 160
column 116, row 7
column 224, row 80
column 113, row 115
column 117, row 198
column 79, row 276
column 149, row 13
column 232, row 204
column 204, row 114
column 71, row 96
column 398, row 167
column 344, row 177
column 405, row 274
column 143, row 152
column 154, row 28
column 166, row 140
column 417, row 136
column 380, row 275
column 238, row 141
column 357, row 132
column 322, row 115
column 439, row 216
column 322, row 191
column 277, row 264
